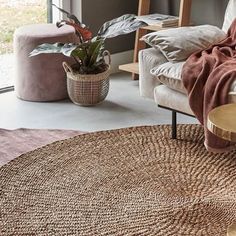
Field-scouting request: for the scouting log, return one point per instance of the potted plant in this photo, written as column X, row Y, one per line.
column 88, row 78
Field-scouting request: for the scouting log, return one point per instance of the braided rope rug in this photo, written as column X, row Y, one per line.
column 133, row 181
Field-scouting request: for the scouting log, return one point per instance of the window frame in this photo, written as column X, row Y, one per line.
column 49, row 11
column 53, row 15
column 56, row 15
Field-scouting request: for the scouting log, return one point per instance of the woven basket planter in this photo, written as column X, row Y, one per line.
column 87, row 90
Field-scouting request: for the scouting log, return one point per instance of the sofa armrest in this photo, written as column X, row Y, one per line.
column 148, row 59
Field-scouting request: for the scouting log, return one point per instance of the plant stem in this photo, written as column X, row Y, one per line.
column 77, row 61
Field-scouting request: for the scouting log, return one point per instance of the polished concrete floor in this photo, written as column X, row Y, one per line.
column 123, row 108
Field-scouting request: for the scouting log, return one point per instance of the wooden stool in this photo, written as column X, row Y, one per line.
column 232, row 230
column 222, row 122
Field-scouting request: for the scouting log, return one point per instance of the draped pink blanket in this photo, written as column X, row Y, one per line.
column 207, row 77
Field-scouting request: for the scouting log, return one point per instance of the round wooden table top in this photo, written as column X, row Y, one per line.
column 222, row 122
column 232, row 230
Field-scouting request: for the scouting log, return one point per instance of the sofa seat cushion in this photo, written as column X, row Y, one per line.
column 167, row 97
column 169, row 74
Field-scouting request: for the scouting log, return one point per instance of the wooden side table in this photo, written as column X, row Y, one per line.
column 232, row 230
column 222, row 122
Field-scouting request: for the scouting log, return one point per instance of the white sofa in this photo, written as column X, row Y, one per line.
column 167, row 89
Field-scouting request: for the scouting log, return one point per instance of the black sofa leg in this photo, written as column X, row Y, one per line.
column 174, row 125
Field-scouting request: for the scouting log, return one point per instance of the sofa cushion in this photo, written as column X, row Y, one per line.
column 167, row 97
column 230, row 15
column 179, row 43
column 169, row 74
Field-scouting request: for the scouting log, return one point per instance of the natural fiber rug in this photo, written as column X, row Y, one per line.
column 134, row 181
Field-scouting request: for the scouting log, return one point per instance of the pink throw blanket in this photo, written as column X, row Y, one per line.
column 207, row 76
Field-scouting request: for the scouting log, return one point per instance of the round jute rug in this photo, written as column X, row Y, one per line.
column 134, row 181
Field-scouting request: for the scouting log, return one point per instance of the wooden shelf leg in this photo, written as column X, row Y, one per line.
column 143, row 9
column 185, row 12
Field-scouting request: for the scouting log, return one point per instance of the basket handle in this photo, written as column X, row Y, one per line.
column 66, row 67
column 106, row 53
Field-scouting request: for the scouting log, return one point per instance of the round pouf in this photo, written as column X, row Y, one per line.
column 41, row 78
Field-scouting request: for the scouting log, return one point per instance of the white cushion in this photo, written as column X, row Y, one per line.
column 230, row 15
column 179, row 43
column 169, row 74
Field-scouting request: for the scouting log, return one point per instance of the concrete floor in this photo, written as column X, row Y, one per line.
column 122, row 108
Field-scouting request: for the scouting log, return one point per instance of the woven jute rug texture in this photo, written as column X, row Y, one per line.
column 134, row 181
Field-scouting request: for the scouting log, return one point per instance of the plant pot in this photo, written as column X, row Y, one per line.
column 87, row 90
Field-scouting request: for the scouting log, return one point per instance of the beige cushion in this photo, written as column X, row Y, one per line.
column 178, row 44
column 169, row 74
column 170, row 98
column 230, row 15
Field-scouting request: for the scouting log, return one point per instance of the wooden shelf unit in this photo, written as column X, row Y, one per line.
column 131, row 67
column 144, row 9
column 155, row 27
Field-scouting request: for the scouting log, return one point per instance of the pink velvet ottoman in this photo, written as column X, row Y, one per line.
column 40, row 78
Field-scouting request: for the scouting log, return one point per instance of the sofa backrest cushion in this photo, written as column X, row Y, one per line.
column 177, row 44
column 230, row 15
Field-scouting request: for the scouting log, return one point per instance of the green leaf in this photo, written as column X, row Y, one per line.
column 121, row 25
column 79, row 53
column 95, row 51
column 64, row 48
